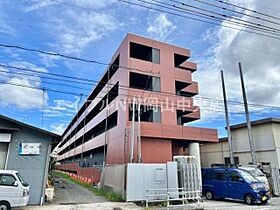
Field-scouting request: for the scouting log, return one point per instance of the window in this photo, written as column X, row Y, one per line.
column 7, row 180
column 219, row 176
column 144, row 82
column 145, row 53
column 234, row 176
column 208, row 175
column 147, row 113
column 23, row 182
column 236, row 160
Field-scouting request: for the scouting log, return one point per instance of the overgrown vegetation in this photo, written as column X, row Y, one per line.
column 111, row 196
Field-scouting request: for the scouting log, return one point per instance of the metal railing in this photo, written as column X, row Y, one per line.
column 170, row 195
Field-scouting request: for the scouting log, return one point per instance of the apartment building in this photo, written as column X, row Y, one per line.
column 157, row 78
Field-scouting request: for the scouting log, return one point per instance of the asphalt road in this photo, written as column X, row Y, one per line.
column 67, row 192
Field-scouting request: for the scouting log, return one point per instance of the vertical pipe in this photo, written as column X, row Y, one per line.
column 227, row 120
column 250, row 135
column 106, row 120
column 132, row 132
column 195, row 151
column 139, row 134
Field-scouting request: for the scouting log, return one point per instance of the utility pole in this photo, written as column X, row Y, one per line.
column 139, row 134
column 132, row 132
column 227, row 120
column 250, row 135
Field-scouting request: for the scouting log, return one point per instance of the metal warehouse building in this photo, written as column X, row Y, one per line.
column 27, row 149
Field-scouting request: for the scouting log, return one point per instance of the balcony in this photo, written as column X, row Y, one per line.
column 186, row 89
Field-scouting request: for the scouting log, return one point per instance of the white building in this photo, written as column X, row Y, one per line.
column 266, row 136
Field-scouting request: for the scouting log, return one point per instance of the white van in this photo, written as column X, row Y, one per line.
column 257, row 173
column 14, row 191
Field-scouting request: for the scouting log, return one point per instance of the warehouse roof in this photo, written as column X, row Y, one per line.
column 12, row 128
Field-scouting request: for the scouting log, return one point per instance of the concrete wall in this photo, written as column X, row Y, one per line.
column 213, row 153
column 32, row 168
column 113, row 177
column 262, row 135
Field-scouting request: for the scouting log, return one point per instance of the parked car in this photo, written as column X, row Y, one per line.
column 257, row 173
column 233, row 183
column 14, row 191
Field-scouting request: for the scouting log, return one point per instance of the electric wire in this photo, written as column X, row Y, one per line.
column 124, row 87
column 247, row 9
column 225, row 17
column 237, row 12
column 200, row 20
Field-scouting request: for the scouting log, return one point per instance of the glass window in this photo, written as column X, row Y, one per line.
column 155, row 56
column 23, row 182
column 7, row 180
column 256, row 172
column 219, row 176
column 208, row 175
column 234, row 176
column 144, row 52
column 247, row 176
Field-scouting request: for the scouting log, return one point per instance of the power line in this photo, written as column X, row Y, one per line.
column 50, row 83
column 197, row 19
column 37, row 88
column 260, row 51
column 227, row 17
column 224, row 18
column 247, row 9
column 237, row 12
column 45, row 77
column 127, row 87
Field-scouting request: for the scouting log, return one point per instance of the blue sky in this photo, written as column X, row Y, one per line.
column 93, row 29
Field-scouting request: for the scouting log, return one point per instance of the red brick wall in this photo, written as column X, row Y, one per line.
column 156, row 150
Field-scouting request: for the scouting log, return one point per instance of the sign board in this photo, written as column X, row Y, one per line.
column 29, row 148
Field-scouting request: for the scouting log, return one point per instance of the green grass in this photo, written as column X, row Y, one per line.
column 109, row 195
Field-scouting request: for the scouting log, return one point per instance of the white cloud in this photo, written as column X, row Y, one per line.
column 78, row 24
column 39, row 4
column 80, row 29
column 260, row 67
column 21, row 97
column 160, row 28
column 58, row 128
column 5, row 28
